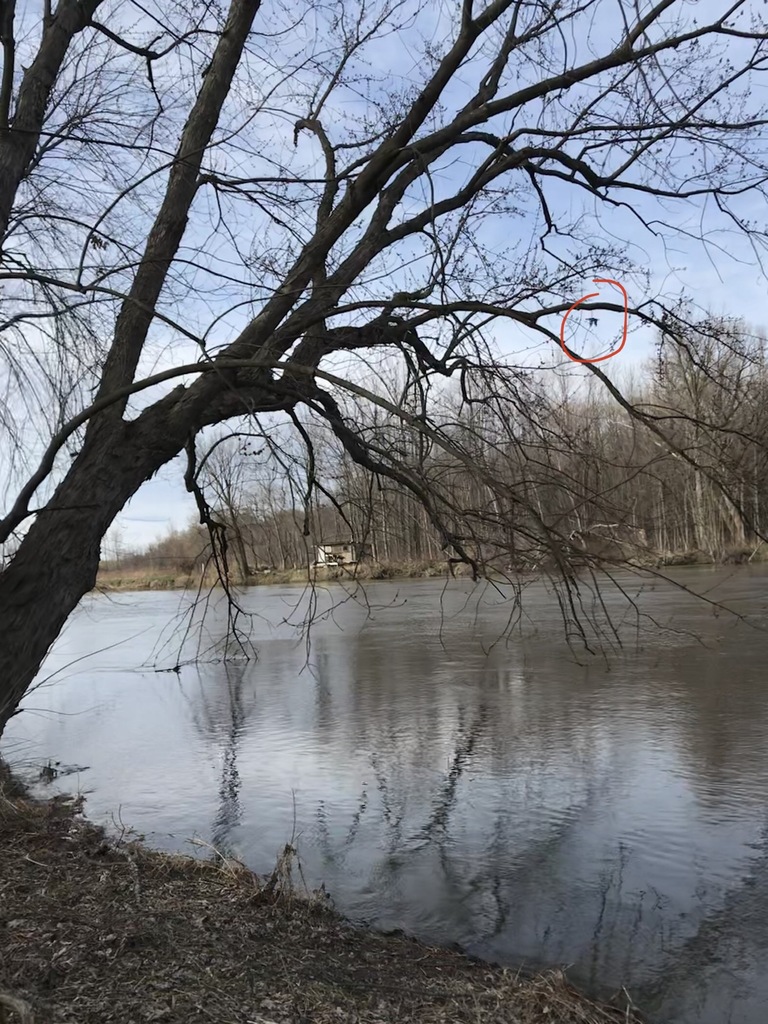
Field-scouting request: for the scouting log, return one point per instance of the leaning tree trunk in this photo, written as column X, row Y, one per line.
column 57, row 561
column 54, row 567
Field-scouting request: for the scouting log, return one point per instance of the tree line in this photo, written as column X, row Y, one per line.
column 554, row 473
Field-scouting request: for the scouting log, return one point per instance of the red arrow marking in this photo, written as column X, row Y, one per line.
column 592, row 295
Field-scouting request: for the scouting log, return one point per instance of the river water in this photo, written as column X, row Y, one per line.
column 451, row 769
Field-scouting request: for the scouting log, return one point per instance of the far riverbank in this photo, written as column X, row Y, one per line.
column 173, row 578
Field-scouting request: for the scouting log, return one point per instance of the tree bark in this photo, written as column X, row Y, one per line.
column 20, row 137
column 56, row 563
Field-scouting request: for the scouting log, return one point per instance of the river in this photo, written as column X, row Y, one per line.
column 452, row 769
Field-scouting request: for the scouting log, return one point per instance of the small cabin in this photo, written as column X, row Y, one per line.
column 342, row 552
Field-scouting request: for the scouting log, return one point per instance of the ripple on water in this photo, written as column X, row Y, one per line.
column 508, row 796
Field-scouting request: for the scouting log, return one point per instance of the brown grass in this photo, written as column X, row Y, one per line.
column 174, row 579
column 99, row 930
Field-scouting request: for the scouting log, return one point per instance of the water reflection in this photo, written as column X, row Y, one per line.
column 220, row 714
column 608, row 815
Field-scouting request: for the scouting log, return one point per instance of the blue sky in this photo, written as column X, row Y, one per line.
column 698, row 254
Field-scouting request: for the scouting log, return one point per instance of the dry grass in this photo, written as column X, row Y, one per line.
column 145, row 579
column 95, row 930
column 174, row 579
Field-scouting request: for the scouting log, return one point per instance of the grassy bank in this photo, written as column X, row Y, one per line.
column 151, row 579
column 111, row 579
column 101, row 930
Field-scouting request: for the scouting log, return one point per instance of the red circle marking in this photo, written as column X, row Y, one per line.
column 592, row 295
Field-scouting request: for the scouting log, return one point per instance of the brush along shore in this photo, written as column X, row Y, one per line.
column 112, row 579
column 95, row 929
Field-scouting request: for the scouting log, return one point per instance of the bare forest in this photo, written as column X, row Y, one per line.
column 579, row 483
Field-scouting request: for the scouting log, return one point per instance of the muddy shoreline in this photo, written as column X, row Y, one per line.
column 96, row 928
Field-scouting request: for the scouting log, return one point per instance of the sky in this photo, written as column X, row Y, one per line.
column 719, row 270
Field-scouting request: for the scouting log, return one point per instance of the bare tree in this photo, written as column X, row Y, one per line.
column 247, row 194
column 582, row 473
